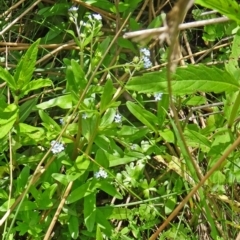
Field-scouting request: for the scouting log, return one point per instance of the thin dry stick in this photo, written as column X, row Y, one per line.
column 53, row 52
column 189, row 50
column 11, row 8
column 55, row 217
column 195, row 189
column 18, row 18
column 183, row 26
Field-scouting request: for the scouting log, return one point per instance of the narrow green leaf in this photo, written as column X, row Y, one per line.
column 8, row 116
column 26, row 108
column 80, row 81
column 64, row 102
column 26, row 66
column 144, row 116
column 232, row 64
column 82, row 191
column 73, row 227
column 110, row 189
column 22, row 179
column 186, row 81
column 99, row 233
column 89, row 211
column 8, row 78
column 106, row 96
column 232, row 103
column 34, row 85
column 116, row 160
column 49, row 122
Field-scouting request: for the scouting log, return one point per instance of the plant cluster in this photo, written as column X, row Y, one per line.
column 93, row 145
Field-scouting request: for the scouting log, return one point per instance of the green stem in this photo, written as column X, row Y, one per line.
column 234, row 111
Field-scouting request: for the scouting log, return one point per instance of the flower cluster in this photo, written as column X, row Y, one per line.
column 158, row 96
column 101, row 174
column 145, row 58
column 57, row 147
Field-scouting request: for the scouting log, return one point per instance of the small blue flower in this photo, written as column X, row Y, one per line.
column 97, row 17
column 146, row 62
column 61, row 120
column 73, row 9
column 158, row 96
column 117, row 118
column 145, row 52
column 57, row 147
column 101, row 174
column 84, row 116
column 133, row 146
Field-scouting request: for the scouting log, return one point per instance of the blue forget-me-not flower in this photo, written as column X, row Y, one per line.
column 57, row 147
column 101, row 174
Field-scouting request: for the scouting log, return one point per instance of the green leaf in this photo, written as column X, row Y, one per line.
column 144, row 116
column 116, row 160
column 218, row 178
column 8, row 116
column 31, row 135
column 26, row 108
column 186, row 81
column 115, row 213
column 106, row 96
column 64, row 102
column 26, row 66
column 99, row 233
column 231, row 105
column 170, row 204
column 8, row 78
column 34, row 85
column 65, row 179
column 73, row 227
column 125, row 43
column 89, row 210
column 110, row 189
column 49, row 122
column 196, row 139
column 232, row 64
column 80, row 81
column 102, row 159
column 82, row 163
column 107, row 118
column 162, row 107
column 22, row 179
column 229, row 8
column 104, row 45
column 82, row 191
